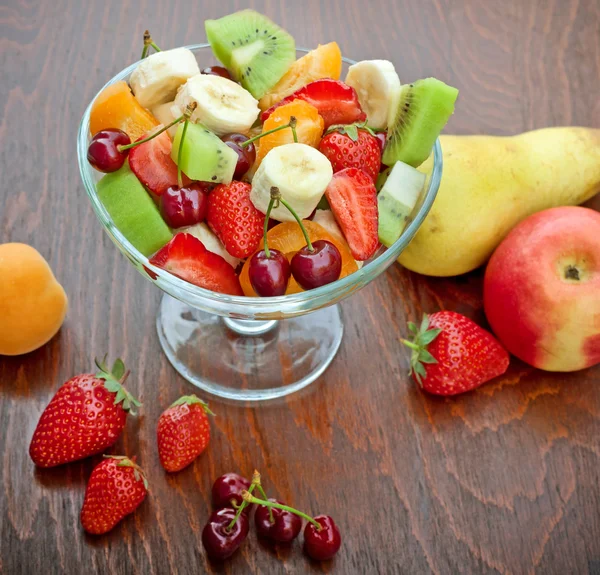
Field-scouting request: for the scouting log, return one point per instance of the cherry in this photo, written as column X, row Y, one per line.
column 285, row 526
column 184, row 206
column 103, row 152
column 228, row 488
column 317, row 267
column 269, row 274
column 217, row 71
column 246, row 154
column 219, row 539
column 322, row 544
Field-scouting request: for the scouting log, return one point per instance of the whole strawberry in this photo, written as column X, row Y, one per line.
column 451, row 354
column 86, row 416
column 234, row 219
column 352, row 146
column 116, row 488
column 183, row 432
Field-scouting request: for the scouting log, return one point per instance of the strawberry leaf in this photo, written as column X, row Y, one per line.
column 412, row 327
column 118, row 369
column 191, row 400
column 418, row 346
column 429, row 336
column 426, row 357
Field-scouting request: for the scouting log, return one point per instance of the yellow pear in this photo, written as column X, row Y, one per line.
column 490, row 184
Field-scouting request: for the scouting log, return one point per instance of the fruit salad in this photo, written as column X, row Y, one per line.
column 265, row 175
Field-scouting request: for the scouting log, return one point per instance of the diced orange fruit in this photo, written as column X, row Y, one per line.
column 288, row 239
column 309, row 127
column 322, row 62
column 116, row 107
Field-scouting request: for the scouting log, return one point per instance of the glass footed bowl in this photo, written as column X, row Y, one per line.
column 242, row 348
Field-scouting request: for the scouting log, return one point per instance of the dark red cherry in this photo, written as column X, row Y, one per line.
column 246, row 154
column 285, row 527
column 321, row 266
column 217, row 71
column 219, row 541
column 322, row 544
column 185, row 206
column 269, row 276
column 227, row 490
column 103, row 152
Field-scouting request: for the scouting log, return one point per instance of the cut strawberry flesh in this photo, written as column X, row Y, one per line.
column 152, row 164
column 353, row 200
column 336, row 102
column 186, row 257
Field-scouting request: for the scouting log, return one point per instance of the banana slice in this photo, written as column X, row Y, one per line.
column 301, row 173
column 164, row 114
column 223, row 106
column 157, row 77
column 378, row 88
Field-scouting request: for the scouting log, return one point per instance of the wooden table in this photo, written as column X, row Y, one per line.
column 503, row 480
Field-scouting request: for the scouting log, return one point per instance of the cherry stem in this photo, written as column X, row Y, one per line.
column 256, row 481
column 147, row 43
column 240, row 509
column 293, row 212
column 248, row 497
column 266, row 227
column 291, row 124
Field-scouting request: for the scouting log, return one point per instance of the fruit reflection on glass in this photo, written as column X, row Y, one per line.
column 191, row 152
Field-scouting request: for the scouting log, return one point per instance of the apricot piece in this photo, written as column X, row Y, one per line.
column 33, row 304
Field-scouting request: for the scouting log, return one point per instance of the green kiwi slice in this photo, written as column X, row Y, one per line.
column 204, row 156
column 254, row 49
column 424, row 109
column 133, row 210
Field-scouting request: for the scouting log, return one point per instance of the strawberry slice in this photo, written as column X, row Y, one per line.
column 152, row 164
column 234, row 219
column 186, row 257
column 336, row 102
column 353, row 200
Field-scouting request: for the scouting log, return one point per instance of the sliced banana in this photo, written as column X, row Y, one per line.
column 164, row 114
column 212, row 243
column 223, row 106
column 301, row 173
column 157, row 77
column 378, row 88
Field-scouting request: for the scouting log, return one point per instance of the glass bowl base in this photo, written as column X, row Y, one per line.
column 248, row 360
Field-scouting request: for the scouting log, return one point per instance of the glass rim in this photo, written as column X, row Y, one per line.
column 237, row 305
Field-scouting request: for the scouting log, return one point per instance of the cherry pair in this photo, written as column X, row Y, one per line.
column 316, row 264
column 228, row 527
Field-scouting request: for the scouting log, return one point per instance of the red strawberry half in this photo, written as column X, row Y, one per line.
column 183, row 432
column 451, row 354
column 352, row 146
column 152, row 164
column 353, row 200
column 336, row 102
column 234, row 219
column 116, row 488
column 186, row 257
column 85, row 417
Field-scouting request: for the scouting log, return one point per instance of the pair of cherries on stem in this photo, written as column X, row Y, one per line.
column 228, row 527
column 316, row 264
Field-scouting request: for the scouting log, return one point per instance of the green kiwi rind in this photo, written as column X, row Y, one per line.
column 133, row 211
column 204, row 156
column 253, row 48
column 423, row 110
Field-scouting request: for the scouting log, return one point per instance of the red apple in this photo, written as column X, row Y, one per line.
column 542, row 289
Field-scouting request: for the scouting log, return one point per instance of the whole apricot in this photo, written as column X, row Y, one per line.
column 33, row 304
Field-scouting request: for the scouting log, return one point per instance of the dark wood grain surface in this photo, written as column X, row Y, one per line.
column 503, row 480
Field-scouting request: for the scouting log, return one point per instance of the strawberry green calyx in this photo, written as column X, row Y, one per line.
column 124, row 461
column 350, row 130
column 113, row 382
column 422, row 337
column 191, row 400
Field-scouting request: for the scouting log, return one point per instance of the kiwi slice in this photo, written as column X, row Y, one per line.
column 204, row 155
column 254, row 49
column 396, row 201
column 133, row 211
column 424, row 109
